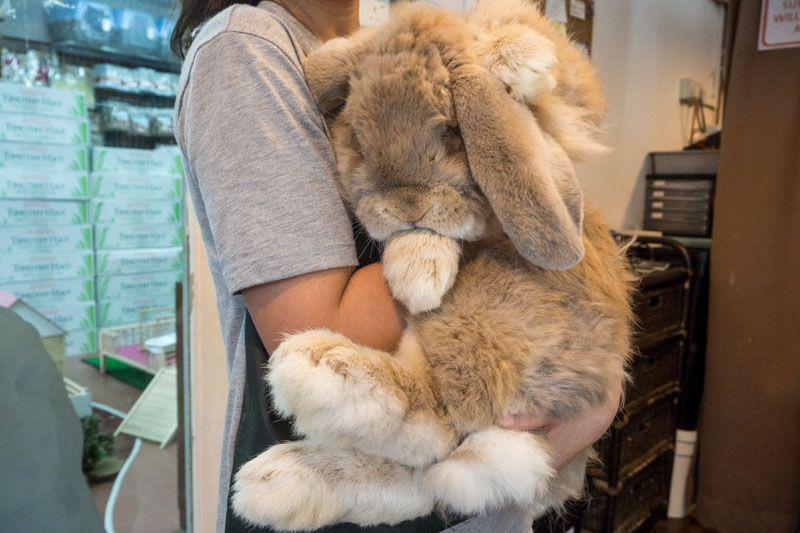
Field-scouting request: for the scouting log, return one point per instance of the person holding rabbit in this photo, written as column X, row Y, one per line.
column 281, row 245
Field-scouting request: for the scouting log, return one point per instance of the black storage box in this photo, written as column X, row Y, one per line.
column 636, row 435
column 659, row 305
column 636, row 502
column 655, row 368
column 680, row 192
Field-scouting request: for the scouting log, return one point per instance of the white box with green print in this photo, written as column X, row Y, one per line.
column 44, row 171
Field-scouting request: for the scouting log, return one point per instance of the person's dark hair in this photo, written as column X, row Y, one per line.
column 193, row 14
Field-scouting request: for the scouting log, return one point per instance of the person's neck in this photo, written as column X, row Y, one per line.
column 324, row 18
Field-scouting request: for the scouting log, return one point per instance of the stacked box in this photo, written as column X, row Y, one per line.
column 137, row 212
column 46, row 236
column 30, row 170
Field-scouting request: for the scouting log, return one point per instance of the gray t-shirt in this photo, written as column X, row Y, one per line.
column 260, row 170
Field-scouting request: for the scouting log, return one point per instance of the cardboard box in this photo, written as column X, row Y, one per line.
column 43, row 171
column 115, row 237
column 122, row 185
column 136, row 161
column 41, row 129
column 137, row 211
column 81, row 342
column 42, row 293
column 116, row 262
column 17, row 213
column 130, row 311
column 77, row 315
column 16, row 98
column 45, row 239
column 46, row 266
column 111, row 288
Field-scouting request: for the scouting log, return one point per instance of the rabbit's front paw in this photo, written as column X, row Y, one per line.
column 333, row 387
column 522, row 59
column 420, row 267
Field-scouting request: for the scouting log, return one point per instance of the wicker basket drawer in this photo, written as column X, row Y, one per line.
column 635, row 436
column 658, row 312
column 635, row 503
column 654, row 368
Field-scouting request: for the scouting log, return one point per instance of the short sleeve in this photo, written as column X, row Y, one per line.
column 264, row 168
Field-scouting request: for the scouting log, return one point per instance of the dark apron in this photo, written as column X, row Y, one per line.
column 260, row 428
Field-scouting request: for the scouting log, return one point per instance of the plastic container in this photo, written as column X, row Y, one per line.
column 138, row 33
column 80, row 22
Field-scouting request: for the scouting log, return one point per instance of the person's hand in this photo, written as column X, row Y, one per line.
column 569, row 438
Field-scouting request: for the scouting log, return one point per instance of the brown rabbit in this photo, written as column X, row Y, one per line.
column 440, row 124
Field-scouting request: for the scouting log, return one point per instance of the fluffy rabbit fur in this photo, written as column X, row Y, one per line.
column 439, row 124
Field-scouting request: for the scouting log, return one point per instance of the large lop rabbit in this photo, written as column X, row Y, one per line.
column 439, row 125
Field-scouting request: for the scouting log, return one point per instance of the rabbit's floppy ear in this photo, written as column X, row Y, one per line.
column 329, row 67
column 535, row 197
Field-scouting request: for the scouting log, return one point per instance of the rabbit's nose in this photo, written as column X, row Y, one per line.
column 410, row 213
column 409, row 206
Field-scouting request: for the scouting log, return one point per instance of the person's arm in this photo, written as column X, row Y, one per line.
column 569, row 438
column 355, row 303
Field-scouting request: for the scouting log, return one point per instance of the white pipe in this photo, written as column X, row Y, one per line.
column 108, row 518
column 685, row 444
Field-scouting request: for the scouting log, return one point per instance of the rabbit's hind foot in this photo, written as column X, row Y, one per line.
column 492, row 469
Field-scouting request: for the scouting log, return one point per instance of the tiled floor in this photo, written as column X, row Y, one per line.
column 148, row 499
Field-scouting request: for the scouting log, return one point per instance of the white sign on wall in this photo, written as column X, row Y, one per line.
column 780, row 24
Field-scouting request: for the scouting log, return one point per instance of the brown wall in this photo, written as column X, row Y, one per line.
column 750, row 426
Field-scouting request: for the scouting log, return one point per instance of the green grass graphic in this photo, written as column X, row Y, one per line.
column 90, row 342
column 86, row 239
column 177, row 165
column 82, row 216
column 98, row 208
column 102, row 263
column 177, row 187
column 89, row 318
column 81, row 161
column 87, row 294
column 102, row 289
column 82, row 190
column 78, row 109
column 87, row 269
column 102, row 312
column 177, row 238
column 98, row 159
column 101, row 236
column 177, row 212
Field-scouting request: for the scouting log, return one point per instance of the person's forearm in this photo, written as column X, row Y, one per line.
column 357, row 304
column 367, row 312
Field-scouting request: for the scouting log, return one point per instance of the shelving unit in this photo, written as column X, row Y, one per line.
column 91, row 220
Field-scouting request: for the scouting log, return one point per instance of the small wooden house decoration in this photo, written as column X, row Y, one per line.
column 53, row 337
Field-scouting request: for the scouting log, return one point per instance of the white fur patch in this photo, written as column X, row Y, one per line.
column 523, row 63
column 285, row 489
column 420, row 267
column 327, row 401
column 491, row 469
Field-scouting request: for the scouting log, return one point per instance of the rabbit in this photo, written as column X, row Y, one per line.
column 444, row 128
